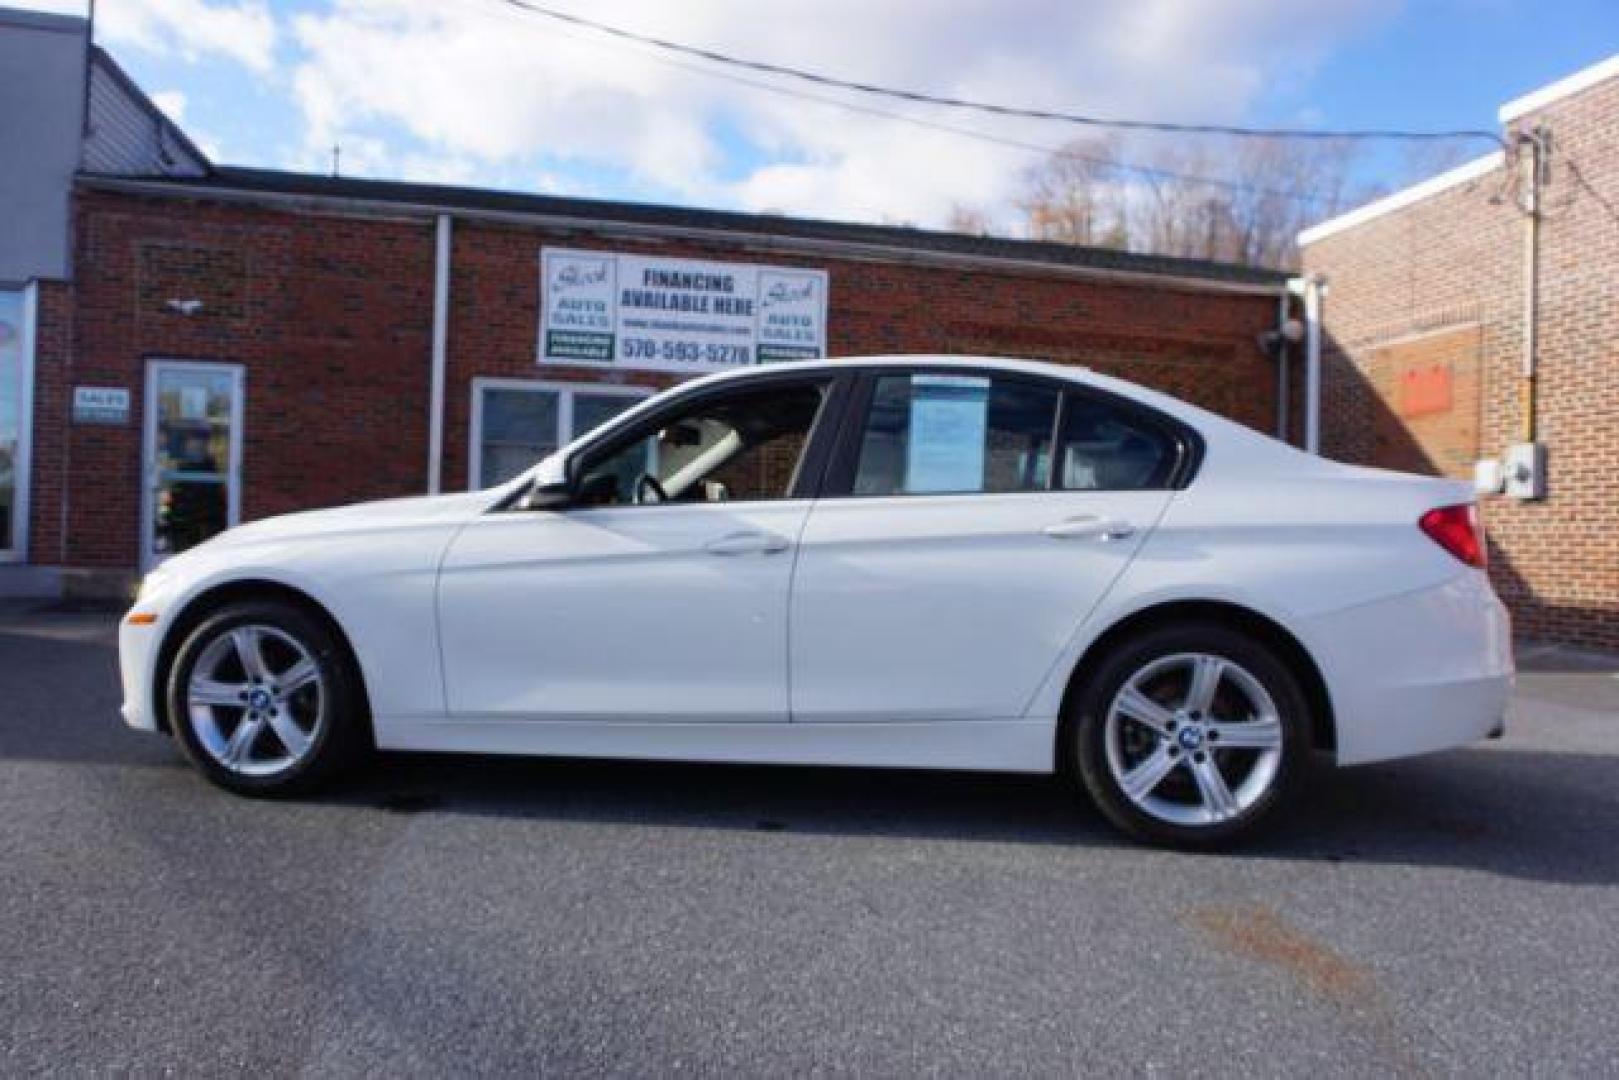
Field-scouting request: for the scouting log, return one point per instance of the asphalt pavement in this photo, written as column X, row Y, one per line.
column 1456, row 914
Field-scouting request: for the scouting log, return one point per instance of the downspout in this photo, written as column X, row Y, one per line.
column 1311, row 289
column 1315, row 290
column 441, row 327
column 1282, row 387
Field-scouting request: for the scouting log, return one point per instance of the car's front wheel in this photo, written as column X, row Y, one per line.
column 1191, row 735
column 263, row 699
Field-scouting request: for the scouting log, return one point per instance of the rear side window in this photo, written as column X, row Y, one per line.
column 1107, row 448
column 940, row 434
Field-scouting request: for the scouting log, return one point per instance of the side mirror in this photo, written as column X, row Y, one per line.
column 550, row 489
column 545, row 497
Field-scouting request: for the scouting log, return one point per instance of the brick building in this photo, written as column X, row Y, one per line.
column 1445, row 297
column 214, row 345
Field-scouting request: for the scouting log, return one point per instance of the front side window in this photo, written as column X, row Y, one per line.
column 741, row 446
column 944, row 434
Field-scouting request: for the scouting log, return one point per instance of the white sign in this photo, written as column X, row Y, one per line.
column 949, row 419
column 685, row 315
column 100, row 405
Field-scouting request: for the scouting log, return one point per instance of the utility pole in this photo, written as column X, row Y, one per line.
column 1532, row 151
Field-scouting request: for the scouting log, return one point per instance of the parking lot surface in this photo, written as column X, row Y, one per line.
column 1447, row 915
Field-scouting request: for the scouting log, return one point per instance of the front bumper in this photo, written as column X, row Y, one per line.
column 137, row 661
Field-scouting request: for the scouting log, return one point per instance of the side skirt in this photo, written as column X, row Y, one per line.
column 1025, row 746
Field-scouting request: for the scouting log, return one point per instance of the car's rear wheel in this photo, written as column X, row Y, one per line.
column 1190, row 735
column 263, row 699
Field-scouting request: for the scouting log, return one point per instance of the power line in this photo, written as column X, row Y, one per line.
column 994, row 109
column 1043, row 149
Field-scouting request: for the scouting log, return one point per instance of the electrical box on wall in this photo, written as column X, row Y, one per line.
column 1526, row 470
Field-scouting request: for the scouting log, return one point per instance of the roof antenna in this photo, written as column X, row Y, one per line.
column 337, row 155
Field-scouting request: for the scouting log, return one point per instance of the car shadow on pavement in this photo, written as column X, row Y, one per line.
column 1530, row 814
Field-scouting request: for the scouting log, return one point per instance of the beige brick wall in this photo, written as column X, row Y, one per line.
column 1440, row 284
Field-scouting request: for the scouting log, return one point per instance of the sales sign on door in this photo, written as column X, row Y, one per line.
column 682, row 315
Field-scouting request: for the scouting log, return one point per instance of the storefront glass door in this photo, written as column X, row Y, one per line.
column 193, row 455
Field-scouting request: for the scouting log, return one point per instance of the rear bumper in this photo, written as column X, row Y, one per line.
column 1417, row 673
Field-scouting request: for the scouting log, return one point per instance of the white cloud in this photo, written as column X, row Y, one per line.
column 243, row 31
column 477, row 86
column 481, row 86
column 468, row 90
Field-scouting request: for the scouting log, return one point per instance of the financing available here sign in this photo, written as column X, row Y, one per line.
column 683, row 315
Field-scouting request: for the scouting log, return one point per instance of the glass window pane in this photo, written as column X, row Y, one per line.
column 743, row 446
column 11, row 406
column 591, row 411
column 187, row 512
column 502, row 461
column 526, row 416
column 935, row 434
column 191, row 501
column 193, row 418
column 1105, row 448
column 519, row 428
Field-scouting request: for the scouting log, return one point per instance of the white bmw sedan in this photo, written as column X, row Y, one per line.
column 906, row 562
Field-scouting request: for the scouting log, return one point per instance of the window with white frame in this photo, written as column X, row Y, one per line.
column 516, row 422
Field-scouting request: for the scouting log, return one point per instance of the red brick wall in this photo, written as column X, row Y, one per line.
column 1429, row 390
column 1199, row 345
column 53, row 353
column 1451, row 267
column 331, row 319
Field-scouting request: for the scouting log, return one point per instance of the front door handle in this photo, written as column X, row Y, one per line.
column 747, row 542
column 1090, row 527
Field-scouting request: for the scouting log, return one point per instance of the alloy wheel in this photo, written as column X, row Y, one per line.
column 1193, row 739
column 256, row 700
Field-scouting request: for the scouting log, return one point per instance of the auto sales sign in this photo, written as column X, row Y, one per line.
column 682, row 315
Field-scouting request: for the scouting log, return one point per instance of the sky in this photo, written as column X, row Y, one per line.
column 478, row 92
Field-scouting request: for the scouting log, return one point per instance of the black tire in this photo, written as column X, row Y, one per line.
column 1085, row 735
column 336, row 727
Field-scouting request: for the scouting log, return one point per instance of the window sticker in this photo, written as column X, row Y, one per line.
column 945, row 448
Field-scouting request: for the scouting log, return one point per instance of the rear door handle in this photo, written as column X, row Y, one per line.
column 747, row 542
column 1090, row 527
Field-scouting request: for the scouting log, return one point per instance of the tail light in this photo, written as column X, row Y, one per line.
column 1458, row 530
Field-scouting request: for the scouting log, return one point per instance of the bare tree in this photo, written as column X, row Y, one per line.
column 1169, row 214
column 1281, row 186
column 1236, row 200
column 1072, row 196
column 972, row 220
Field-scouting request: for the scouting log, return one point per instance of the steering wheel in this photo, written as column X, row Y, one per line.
column 648, row 491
